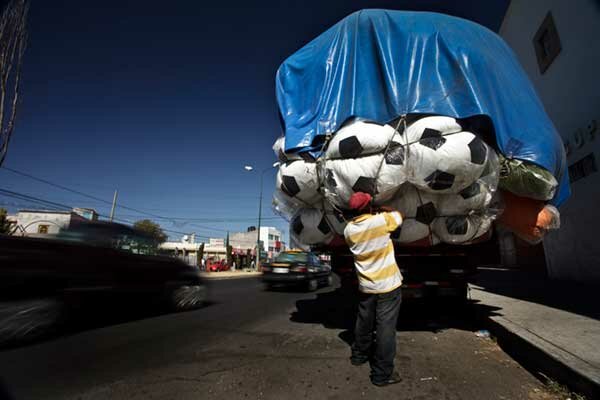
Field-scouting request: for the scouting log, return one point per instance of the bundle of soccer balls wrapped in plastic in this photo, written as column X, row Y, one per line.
column 443, row 177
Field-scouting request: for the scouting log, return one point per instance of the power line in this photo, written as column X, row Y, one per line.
column 59, row 206
column 21, row 196
column 167, row 218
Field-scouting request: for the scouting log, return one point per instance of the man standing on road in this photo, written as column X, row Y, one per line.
column 368, row 236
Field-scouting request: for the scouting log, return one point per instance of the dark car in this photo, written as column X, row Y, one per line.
column 297, row 268
column 42, row 281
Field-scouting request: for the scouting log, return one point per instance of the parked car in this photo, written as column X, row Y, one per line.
column 217, row 265
column 296, row 268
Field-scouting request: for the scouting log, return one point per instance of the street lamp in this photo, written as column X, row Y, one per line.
column 250, row 168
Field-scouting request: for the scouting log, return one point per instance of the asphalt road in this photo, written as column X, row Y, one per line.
column 251, row 344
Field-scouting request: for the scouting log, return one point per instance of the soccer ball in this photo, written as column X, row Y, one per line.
column 429, row 129
column 441, row 157
column 476, row 197
column 461, row 228
column 310, row 226
column 344, row 177
column 359, row 138
column 419, row 210
column 446, row 164
column 279, row 150
column 299, row 182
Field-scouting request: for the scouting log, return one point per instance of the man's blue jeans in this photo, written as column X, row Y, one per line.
column 377, row 312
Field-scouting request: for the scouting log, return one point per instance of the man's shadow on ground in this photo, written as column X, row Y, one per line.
column 337, row 310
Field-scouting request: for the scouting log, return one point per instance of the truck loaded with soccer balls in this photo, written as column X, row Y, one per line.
column 431, row 115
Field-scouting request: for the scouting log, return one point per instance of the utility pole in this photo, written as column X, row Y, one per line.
column 258, row 246
column 262, row 174
column 114, row 204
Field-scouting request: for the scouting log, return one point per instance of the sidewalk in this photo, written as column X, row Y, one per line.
column 552, row 327
column 230, row 274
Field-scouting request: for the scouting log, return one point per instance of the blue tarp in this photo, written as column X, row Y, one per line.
column 379, row 64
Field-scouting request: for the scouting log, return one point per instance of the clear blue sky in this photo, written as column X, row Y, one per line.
column 167, row 101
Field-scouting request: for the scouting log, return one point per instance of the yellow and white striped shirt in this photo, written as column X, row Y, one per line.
column 368, row 237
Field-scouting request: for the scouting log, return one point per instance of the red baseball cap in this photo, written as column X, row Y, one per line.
column 359, row 200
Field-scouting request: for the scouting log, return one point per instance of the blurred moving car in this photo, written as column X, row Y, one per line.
column 297, row 268
column 217, row 265
column 41, row 279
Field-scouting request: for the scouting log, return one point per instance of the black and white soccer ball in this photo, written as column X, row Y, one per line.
column 371, row 174
column 446, row 164
column 310, row 226
column 475, row 197
column 282, row 156
column 442, row 157
column 298, row 181
column 359, row 138
column 461, row 228
column 430, row 128
column 419, row 208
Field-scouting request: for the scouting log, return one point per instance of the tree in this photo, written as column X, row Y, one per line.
column 5, row 225
column 13, row 39
column 151, row 229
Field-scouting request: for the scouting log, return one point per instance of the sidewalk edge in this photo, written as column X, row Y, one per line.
column 529, row 351
column 241, row 276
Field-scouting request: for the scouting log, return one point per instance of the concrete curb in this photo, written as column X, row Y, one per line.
column 540, row 356
column 216, row 276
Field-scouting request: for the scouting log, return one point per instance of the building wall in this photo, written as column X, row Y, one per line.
column 243, row 240
column 30, row 222
column 216, row 252
column 269, row 236
column 570, row 92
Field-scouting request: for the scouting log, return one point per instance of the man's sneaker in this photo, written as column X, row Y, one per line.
column 358, row 361
column 394, row 378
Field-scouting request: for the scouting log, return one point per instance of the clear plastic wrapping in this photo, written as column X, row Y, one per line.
column 396, row 168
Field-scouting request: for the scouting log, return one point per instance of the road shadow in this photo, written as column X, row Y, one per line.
column 99, row 312
column 336, row 309
column 536, row 287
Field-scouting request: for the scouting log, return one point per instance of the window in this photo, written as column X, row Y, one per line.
column 546, row 43
column 43, row 229
column 271, row 237
column 314, row 259
column 292, row 257
column 582, row 168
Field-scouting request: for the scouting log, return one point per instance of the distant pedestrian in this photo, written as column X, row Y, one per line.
column 252, row 264
column 233, row 266
column 203, row 264
column 368, row 236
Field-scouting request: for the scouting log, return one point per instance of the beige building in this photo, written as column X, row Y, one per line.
column 40, row 223
column 187, row 249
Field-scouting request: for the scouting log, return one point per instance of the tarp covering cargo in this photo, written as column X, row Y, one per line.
column 377, row 65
